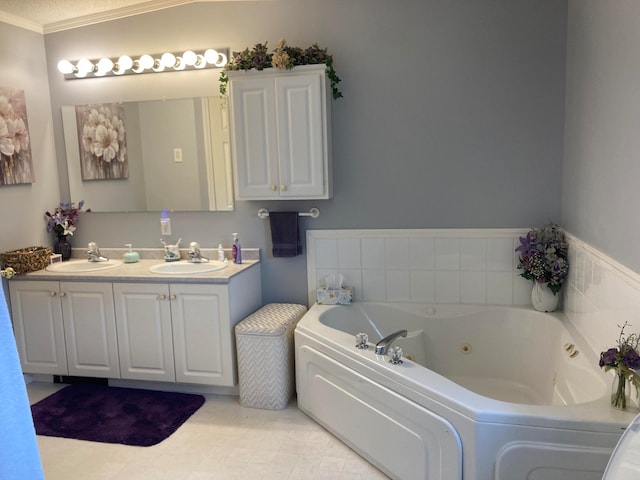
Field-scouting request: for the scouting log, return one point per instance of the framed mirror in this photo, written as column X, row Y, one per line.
column 150, row 156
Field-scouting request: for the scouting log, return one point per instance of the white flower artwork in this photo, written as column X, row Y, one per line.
column 15, row 146
column 102, row 141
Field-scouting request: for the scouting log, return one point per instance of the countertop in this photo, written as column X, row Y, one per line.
column 139, row 272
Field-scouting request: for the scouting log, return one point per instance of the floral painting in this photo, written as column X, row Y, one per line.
column 103, row 142
column 15, row 147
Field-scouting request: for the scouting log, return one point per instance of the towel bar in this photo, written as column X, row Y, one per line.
column 313, row 213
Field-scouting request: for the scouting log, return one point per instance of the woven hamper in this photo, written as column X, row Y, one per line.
column 264, row 342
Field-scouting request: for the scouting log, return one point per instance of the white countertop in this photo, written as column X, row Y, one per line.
column 139, row 272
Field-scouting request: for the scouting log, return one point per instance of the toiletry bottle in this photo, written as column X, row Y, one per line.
column 130, row 256
column 236, row 250
column 220, row 253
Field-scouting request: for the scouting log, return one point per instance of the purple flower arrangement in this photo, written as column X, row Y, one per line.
column 543, row 256
column 64, row 218
column 624, row 359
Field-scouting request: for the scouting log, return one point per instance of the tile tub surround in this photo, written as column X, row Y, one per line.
column 476, row 266
column 600, row 295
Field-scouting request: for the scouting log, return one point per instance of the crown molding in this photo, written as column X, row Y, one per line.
column 20, row 22
column 115, row 14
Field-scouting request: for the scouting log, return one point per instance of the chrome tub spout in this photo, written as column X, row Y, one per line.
column 383, row 345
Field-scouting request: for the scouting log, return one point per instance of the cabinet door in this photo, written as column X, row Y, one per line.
column 254, row 138
column 38, row 327
column 202, row 334
column 301, row 133
column 143, row 320
column 90, row 329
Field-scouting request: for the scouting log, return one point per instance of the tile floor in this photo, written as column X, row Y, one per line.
column 222, row 440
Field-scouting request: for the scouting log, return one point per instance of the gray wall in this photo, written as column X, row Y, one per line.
column 452, row 113
column 602, row 160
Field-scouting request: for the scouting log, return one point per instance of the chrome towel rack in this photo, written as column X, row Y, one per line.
column 313, row 213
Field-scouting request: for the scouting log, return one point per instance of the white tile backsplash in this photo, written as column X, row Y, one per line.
column 473, row 254
column 446, row 266
column 600, row 296
column 372, row 253
column 422, row 253
column 349, row 255
column 447, row 253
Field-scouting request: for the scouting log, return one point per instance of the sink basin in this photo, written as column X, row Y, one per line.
column 186, row 268
column 82, row 266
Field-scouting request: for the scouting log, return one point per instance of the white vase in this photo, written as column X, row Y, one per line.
column 543, row 299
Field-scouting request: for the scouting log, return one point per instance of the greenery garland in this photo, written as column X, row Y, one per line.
column 284, row 57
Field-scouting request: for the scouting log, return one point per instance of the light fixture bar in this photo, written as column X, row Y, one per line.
column 161, row 62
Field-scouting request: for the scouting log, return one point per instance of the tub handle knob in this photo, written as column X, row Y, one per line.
column 362, row 340
column 395, row 355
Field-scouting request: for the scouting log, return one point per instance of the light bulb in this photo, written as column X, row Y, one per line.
column 189, row 58
column 85, row 66
column 105, row 65
column 179, row 64
column 211, row 56
column 222, row 60
column 146, row 62
column 125, row 63
column 200, row 62
column 137, row 68
column 66, row 67
column 158, row 66
column 168, row 60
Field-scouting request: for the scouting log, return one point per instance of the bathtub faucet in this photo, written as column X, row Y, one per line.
column 383, row 345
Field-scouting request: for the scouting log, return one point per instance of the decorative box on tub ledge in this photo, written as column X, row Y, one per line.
column 334, row 296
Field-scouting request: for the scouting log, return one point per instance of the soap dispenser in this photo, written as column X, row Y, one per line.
column 131, row 256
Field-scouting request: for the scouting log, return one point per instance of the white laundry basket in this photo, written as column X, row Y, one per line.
column 264, row 342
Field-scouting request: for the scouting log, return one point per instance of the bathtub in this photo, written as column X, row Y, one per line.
column 483, row 392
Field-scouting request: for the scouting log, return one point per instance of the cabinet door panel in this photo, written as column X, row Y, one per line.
column 90, row 329
column 202, row 334
column 143, row 320
column 38, row 327
column 300, row 135
column 253, row 137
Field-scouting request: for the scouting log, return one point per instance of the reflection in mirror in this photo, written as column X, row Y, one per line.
column 177, row 153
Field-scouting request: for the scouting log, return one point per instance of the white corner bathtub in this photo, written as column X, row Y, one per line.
column 484, row 392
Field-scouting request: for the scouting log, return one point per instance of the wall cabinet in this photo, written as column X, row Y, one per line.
column 65, row 328
column 281, row 142
column 171, row 332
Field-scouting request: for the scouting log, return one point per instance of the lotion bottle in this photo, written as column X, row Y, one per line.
column 236, row 250
column 221, row 253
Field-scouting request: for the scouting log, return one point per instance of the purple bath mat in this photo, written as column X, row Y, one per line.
column 98, row 413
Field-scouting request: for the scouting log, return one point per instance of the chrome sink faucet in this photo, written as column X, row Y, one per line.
column 383, row 345
column 93, row 253
column 194, row 253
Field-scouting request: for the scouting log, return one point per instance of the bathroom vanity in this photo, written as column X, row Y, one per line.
column 131, row 324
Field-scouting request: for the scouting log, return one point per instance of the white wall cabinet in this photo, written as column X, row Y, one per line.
column 65, row 328
column 281, row 142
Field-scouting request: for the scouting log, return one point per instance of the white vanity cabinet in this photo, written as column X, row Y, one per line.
column 145, row 338
column 65, row 328
column 182, row 332
column 281, row 144
column 145, row 328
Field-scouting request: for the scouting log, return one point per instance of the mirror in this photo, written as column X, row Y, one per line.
column 166, row 155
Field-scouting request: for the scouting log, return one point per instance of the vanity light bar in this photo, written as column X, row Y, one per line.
column 162, row 62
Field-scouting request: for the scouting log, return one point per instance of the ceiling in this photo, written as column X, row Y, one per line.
column 49, row 16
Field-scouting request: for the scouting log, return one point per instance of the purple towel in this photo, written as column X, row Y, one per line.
column 285, row 236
